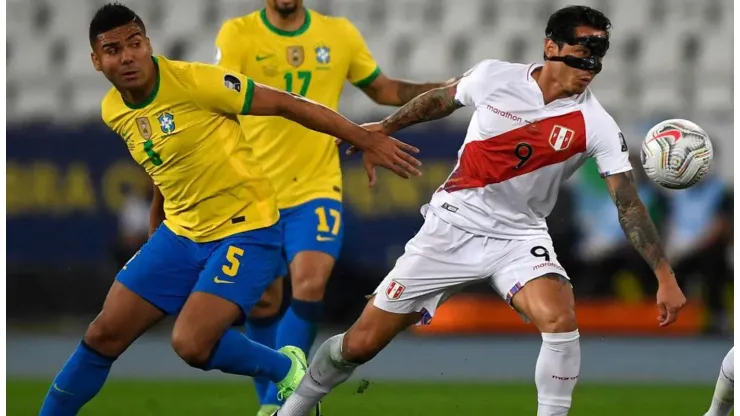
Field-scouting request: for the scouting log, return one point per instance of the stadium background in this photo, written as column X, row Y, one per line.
column 77, row 207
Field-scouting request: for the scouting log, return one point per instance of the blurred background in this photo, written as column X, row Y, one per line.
column 77, row 206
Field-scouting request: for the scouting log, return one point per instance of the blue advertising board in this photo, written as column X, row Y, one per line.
column 65, row 186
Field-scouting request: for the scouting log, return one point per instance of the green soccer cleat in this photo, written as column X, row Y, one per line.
column 297, row 371
column 268, row 410
column 316, row 411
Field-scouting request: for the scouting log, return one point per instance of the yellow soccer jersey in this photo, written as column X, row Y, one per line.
column 312, row 61
column 187, row 137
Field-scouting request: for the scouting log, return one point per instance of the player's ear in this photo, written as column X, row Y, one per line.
column 95, row 62
column 551, row 48
column 149, row 46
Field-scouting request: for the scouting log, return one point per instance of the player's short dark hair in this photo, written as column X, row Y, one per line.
column 563, row 22
column 111, row 16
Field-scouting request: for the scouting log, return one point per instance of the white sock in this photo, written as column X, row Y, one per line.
column 557, row 372
column 327, row 370
column 722, row 400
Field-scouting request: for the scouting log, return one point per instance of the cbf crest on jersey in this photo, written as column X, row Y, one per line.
column 295, row 55
column 561, row 137
column 323, row 54
column 145, row 129
column 166, row 122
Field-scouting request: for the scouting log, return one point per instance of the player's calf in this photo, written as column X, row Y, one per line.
column 723, row 397
column 124, row 317
column 309, row 271
column 549, row 303
column 373, row 331
column 204, row 338
column 262, row 326
column 203, row 321
column 338, row 357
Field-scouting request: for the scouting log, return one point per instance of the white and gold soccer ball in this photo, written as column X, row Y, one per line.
column 676, row 154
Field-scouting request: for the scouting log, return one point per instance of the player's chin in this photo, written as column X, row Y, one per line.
column 579, row 87
column 131, row 82
column 286, row 6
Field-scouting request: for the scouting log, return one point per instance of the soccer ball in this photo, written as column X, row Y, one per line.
column 676, row 154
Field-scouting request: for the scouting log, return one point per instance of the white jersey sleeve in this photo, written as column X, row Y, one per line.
column 606, row 144
column 472, row 86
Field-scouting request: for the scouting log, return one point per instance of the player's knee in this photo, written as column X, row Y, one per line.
column 102, row 337
column 556, row 319
column 309, row 286
column 190, row 349
column 360, row 345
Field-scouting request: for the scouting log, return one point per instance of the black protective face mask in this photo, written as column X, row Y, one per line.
column 597, row 45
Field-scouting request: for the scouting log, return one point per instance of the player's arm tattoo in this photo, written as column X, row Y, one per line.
column 431, row 105
column 397, row 92
column 635, row 220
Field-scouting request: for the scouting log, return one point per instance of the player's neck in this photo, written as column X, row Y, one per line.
column 550, row 87
column 288, row 23
column 139, row 95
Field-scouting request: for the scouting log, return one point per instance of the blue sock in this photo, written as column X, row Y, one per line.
column 299, row 324
column 79, row 381
column 236, row 354
column 298, row 328
column 263, row 330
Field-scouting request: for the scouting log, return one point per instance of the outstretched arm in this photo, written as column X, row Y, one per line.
column 383, row 151
column 397, row 92
column 642, row 234
column 636, row 223
column 431, row 105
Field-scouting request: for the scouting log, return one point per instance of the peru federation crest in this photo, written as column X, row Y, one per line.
column 561, row 137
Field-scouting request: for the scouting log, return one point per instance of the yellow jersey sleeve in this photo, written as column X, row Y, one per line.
column 362, row 68
column 229, row 53
column 219, row 90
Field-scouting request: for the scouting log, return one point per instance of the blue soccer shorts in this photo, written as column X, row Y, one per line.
column 313, row 226
column 168, row 268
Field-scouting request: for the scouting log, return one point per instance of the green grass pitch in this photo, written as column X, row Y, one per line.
column 164, row 398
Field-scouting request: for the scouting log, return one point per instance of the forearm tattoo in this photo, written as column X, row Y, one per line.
column 634, row 218
column 431, row 105
column 407, row 91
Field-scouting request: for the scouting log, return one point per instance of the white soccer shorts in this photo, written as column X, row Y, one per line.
column 442, row 259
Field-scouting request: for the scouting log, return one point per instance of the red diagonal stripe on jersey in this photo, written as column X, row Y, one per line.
column 495, row 160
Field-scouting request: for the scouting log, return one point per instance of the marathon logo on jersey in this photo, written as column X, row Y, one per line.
column 231, row 82
column 295, row 55
column 548, row 264
column 323, row 54
column 561, row 137
column 504, row 114
column 166, row 122
column 394, row 290
column 145, row 129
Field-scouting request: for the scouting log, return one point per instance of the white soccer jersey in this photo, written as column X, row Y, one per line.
column 518, row 151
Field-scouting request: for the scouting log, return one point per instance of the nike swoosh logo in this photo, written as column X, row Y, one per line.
column 322, row 238
column 217, row 280
column 262, row 58
column 60, row 390
column 673, row 133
